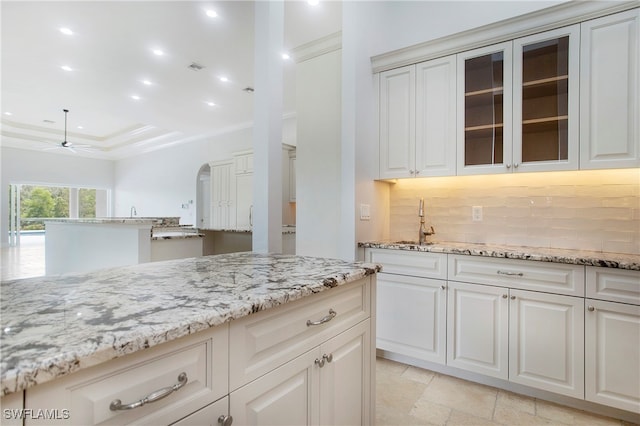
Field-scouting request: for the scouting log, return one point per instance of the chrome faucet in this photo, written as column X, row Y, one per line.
column 422, row 232
column 133, row 211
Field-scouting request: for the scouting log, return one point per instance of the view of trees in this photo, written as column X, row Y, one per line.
column 46, row 201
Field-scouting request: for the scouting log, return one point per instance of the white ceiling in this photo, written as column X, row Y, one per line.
column 110, row 53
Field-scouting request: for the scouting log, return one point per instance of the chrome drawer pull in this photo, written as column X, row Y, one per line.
column 511, row 274
column 326, row 318
column 116, row 404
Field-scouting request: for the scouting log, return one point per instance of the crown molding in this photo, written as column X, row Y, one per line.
column 318, row 47
column 564, row 14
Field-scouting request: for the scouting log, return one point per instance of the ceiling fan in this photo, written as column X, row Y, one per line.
column 66, row 144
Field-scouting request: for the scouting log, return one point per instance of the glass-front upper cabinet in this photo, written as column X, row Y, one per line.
column 484, row 109
column 545, row 97
column 518, row 105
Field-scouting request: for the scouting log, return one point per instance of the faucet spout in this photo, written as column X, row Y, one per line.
column 422, row 232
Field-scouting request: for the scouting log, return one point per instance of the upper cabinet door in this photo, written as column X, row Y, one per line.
column 436, row 117
column 484, row 110
column 609, row 91
column 397, row 122
column 545, row 100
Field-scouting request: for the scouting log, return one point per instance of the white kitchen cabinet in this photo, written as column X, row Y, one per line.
column 518, row 105
column 292, row 176
column 215, row 414
column 244, row 201
column 411, row 303
column 546, row 342
column 397, row 112
column 418, row 120
column 222, row 195
column 243, row 162
column 610, row 91
column 196, row 366
column 329, row 384
column 612, row 359
column 478, row 328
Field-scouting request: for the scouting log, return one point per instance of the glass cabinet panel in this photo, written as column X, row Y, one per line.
column 545, row 100
column 483, row 109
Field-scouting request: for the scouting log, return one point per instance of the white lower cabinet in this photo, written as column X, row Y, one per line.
column 329, row 384
column 612, row 338
column 478, row 329
column 546, row 342
column 211, row 415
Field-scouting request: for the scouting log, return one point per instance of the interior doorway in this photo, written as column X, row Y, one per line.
column 203, row 197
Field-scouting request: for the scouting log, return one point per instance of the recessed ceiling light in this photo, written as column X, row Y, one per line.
column 158, row 52
column 211, row 13
column 135, row 97
column 147, row 82
column 66, row 31
column 211, row 103
column 286, row 56
column 8, row 113
column 224, row 79
column 66, row 68
column 80, row 127
column 313, row 2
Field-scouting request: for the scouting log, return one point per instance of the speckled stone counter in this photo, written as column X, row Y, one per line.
column 576, row 257
column 55, row 326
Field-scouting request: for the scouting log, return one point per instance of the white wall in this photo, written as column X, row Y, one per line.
column 37, row 167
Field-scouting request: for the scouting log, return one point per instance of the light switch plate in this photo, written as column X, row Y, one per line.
column 365, row 212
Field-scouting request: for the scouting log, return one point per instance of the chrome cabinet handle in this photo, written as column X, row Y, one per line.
column 591, row 309
column 225, row 420
column 511, row 274
column 326, row 318
column 327, row 358
column 116, row 404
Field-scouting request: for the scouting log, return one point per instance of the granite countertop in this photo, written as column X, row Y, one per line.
column 286, row 229
column 175, row 235
column 575, row 257
column 55, row 326
column 155, row 221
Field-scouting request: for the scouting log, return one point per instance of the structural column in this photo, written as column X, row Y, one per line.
column 267, row 130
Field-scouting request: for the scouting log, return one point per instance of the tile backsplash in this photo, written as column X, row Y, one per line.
column 586, row 210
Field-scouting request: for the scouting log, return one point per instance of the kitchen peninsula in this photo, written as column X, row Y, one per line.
column 87, row 244
column 211, row 332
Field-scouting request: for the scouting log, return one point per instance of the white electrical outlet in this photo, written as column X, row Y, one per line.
column 476, row 213
column 365, row 212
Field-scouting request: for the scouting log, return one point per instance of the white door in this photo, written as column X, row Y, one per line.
column 411, row 316
column 610, row 91
column 397, row 105
column 221, row 198
column 546, row 342
column 204, row 201
column 612, row 356
column 345, row 378
column 244, row 201
column 478, row 328
column 287, row 395
column 436, row 117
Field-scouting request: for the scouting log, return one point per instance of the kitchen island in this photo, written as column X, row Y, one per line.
column 236, row 317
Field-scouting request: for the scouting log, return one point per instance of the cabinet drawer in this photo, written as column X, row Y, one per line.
column 268, row 339
column 521, row 274
column 417, row 264
column 88, row 394
column 615, row 285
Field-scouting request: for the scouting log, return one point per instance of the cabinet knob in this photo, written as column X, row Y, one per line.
column 508, row 165
column 443, row 287
column 417, row 172
column 225, row 420
column 504, row 296
column 515, row 165
column 513, row 298
column 591, row 309
column 319, row 362
column 327, row 358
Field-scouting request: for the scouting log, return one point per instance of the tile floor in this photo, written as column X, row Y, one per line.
column 26, row 260
column 407, row 395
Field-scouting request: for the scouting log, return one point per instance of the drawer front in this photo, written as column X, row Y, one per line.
column 520, row 274
column 615, row 285
column 268, row 339
column 417, row 264
column 89, row 394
